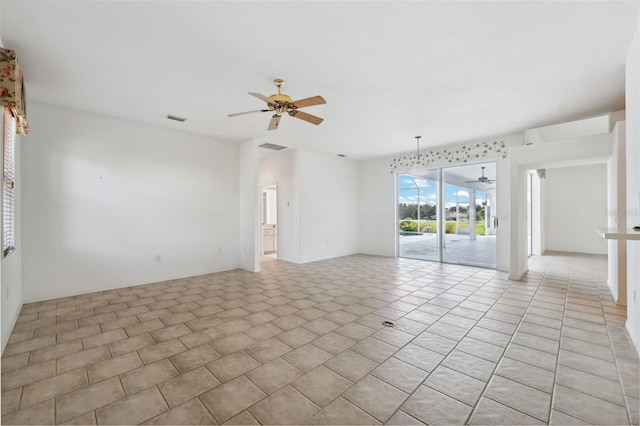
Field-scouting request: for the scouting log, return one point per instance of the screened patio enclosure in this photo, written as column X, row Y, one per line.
column 448, row 215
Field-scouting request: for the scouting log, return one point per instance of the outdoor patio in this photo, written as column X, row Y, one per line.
column 458, row 249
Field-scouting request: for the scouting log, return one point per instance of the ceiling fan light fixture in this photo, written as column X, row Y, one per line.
column 283, row 104
column 482, row 179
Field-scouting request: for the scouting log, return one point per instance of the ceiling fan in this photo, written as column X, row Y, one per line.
column 482, row 179
column 282, row 104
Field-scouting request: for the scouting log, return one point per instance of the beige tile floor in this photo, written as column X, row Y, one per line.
column 305, row 344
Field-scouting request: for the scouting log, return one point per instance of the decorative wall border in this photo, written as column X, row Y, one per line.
column 462, row 154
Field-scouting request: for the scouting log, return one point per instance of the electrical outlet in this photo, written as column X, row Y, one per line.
column 158, row 258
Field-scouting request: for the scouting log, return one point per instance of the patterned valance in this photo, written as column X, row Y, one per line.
column 457, row 155
column 12, row 93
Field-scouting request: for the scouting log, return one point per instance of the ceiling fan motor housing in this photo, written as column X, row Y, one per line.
column 281, row 99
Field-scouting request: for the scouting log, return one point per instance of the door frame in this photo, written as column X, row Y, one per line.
column 273, row 186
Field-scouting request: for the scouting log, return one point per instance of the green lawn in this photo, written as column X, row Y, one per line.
column 465, row 225
column 450, row 226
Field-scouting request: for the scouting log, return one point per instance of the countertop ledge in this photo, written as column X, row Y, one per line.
column 619, row 234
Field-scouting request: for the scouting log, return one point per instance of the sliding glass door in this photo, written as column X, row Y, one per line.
column 470, row 195
column 418, row 214
column 448, row 215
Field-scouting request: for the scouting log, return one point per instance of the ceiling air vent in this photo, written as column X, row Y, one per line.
column 176, row 118
column 272, row 146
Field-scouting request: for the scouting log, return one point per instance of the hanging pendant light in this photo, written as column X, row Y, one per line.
column 418, row 165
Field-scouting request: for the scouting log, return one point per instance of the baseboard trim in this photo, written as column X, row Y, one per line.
column 517, row 277
column 634, row 338
column 73, row 293
column 16, row 315
column 613, row 290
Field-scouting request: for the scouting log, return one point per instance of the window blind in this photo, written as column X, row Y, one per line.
column 8, row 183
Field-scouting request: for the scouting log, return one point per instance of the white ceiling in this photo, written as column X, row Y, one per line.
column 389, row 70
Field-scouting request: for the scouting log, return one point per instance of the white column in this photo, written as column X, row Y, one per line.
column 472, row 214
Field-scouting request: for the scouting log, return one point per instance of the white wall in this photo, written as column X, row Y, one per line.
column 103, row 196
column 282, row 168
column 568, row 130
column 11, row 266
column 329, row 206
column 633, row 186
column 249, row 207
column 318, row 204
column 539, row 218
column 616, row 214
column 576, row 205
column 503, row 186
column 378, row 208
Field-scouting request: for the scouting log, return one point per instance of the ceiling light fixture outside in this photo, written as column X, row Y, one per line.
column 418, row 165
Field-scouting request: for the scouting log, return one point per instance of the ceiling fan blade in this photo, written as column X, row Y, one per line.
column 481, row 181
column 275, row 120
column 306, row 117
column 263, row 98
column 316, row 100
column 246, row 112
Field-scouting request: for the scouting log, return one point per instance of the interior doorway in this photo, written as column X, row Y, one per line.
column 449, row 215
column 269, row 220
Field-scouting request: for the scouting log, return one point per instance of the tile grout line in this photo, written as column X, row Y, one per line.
column 381, row 362
column 557, row 364
column 454, row 347
column 615, row 359
column 386, row 359
column 474, row 408
column 354, row 384
column 594, row 283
